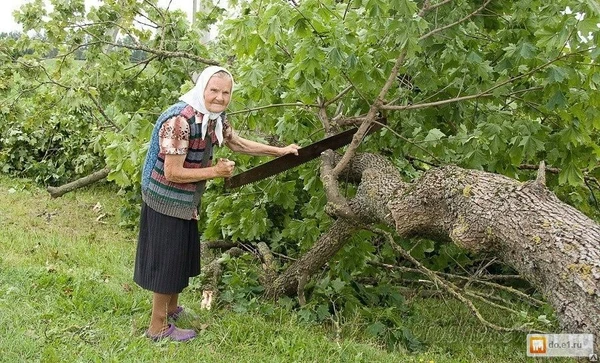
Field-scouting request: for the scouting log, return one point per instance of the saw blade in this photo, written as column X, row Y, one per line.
column 290, row 161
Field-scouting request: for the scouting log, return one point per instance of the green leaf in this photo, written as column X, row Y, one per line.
column 556, row 74
column 571, row 175
column 405, row 8
column 302, row 26
column 531, row 146
column 376, row 329
column 434, row 135
column 335, row 57
column 557, row 101
column 338, row 285
column 527, row 50
column 523, row 50
column 119, row 176
column 476, row 159
column 323, row 312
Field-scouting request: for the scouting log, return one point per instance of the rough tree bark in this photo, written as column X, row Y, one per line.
column 548, row 242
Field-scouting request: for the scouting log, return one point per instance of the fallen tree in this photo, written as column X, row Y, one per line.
column 551, row 244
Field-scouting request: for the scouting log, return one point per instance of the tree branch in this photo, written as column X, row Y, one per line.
column 437, row 30
column 295, row 104
column 340, row 95
column 337, row 205
column 417, row 106
column 369, row 118
column 486, row 93
column 481, row 280
column 446, row 285
column 56, row 192
column 101, row 110
column 429, row 7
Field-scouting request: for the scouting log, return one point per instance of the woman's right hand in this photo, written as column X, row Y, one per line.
column 224, row 168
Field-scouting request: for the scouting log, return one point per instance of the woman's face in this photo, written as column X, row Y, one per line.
column 217, row 94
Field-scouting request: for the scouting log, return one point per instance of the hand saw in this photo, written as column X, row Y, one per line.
column 290, row 161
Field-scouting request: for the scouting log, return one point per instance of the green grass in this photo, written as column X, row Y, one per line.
column 66, row 294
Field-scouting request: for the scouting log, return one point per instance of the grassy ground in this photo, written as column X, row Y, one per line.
column 66, row 294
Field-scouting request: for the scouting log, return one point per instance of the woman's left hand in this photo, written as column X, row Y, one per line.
column 290, row 149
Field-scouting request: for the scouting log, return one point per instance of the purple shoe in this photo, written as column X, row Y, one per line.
column 173, row 333
column 176, row 314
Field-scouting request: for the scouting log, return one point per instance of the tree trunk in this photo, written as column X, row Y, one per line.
column 548, row 242
column 322, row 251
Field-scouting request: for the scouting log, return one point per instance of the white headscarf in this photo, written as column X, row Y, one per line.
column 195, row 98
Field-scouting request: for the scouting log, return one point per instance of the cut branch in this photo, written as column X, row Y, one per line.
column 268, row 262
column 541, row 174
column 56, row 192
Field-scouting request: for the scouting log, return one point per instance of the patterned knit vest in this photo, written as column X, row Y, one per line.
column 180, row 200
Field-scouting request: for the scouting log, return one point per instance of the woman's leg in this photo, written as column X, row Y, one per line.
column 160, row 306
column 159, row 328
column 173, row 303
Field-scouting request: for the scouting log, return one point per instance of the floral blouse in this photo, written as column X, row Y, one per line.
column 174, row 136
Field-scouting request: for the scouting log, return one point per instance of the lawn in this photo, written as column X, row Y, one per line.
column 66, row 294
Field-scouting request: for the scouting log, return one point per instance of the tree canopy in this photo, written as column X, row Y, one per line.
column 488, row 85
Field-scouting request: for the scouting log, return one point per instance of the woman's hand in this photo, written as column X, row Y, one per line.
column 224, row 168
column 290, row 149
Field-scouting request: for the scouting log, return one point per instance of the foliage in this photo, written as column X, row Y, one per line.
column 48, row 148
column 498, row 86
column 533, row 73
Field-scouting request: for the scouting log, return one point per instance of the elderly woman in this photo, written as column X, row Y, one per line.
column 178, row 163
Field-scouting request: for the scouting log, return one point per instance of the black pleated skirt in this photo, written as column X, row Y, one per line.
column 168, row 252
